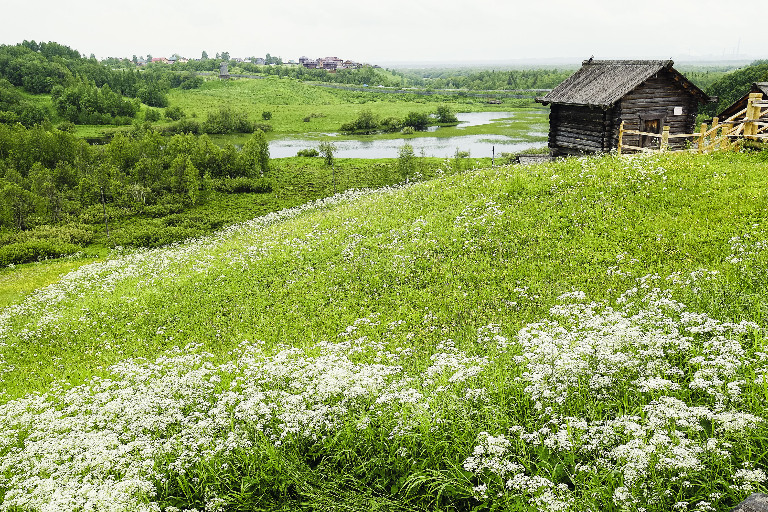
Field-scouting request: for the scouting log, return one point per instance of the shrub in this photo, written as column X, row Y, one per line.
column 67, row 126
column 34, row 250
column 152, row 115
column 162, row 210
column 264, row 127
column 266, row 115
column 243, row 185
column 72, row 234
column 183, row 126
column 226, row 120
column 406, row 161
column 391, row 124
column 417, row 120
column 311, row 152
column 174, row 113
column 445, row 115
column 366, row 123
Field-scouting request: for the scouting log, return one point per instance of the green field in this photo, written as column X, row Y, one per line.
column 292, row 101
column 583, row 335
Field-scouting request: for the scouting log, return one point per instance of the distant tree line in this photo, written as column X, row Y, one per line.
column 83, row 90
column 486, row 80
column 368, row 75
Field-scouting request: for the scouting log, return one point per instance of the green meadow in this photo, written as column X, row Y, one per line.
column 587, row 334
column 299, row 107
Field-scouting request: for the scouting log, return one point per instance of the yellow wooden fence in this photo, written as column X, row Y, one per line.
column 749, row 123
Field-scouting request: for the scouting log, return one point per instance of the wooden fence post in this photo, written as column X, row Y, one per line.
column 664, row 139
column 621, row 137
column 701, row 137
column 724, row 141
column 753, row 113
column 713, row 130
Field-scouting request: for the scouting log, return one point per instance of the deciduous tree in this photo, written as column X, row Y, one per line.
column 327, row 149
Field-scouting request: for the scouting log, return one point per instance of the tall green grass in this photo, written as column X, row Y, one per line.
column 582, row 335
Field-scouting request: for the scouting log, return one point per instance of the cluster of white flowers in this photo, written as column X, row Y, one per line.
column 98, row 443
column 491, row 457
column 747, row 245
column 448, row 360
column 652, row 352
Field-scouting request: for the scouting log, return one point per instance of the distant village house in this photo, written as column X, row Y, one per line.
column 328, row 63
column 586, row 110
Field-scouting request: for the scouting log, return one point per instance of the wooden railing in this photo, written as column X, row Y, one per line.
column 749, row 123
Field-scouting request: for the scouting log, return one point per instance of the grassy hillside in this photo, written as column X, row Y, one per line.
column 586, row 335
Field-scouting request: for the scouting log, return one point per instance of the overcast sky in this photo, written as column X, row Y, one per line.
column 388, row 31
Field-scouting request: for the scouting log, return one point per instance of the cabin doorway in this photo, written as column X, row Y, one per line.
column 652, row 125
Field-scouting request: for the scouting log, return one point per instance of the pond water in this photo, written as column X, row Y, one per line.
column 479, row 146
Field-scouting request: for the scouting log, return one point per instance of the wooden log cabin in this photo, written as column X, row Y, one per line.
column 587, row 108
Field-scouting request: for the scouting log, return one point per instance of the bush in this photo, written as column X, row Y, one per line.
column 445, row 115
column 243, row 185
column 226, row 120
column 391, row 124
column 152, row 115
column 308, row 152
column 417, row 120
column 366, row 123
column 163, row 210
column 266, row 115
column 68, row 234
column 174, row 113
column 184, row 126
column 265, row 127
column 67, row 126
column 35, row 250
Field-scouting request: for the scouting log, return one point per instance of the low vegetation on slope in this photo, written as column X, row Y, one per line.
column 585, row 335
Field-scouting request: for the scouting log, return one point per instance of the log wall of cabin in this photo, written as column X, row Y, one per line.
column 578, row 129
column 659, row 95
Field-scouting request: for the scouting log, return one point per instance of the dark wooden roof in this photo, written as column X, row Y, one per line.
column 741, row 103
column 601, row 83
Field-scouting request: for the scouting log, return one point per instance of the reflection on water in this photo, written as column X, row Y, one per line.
column 479, row 146
column 468, row 119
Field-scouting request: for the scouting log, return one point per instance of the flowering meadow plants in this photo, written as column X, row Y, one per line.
column 583, row 335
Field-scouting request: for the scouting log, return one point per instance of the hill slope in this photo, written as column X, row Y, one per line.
column 586, row 334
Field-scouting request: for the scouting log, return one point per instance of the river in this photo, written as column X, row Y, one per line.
column 479, row 146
